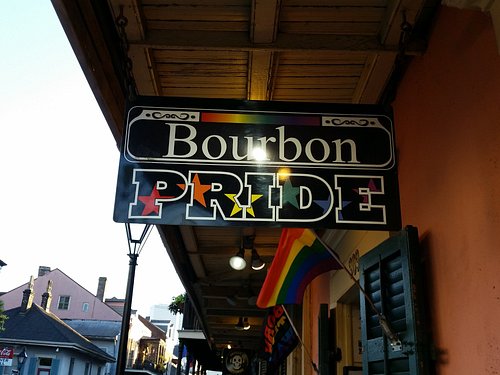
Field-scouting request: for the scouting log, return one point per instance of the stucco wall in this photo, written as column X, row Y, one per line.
column 447, row 117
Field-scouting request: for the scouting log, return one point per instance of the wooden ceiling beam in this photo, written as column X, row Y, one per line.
column 259, row 75
column 239, row 291
column 232, row 278
column 263, row 29
column 251, row 334
column 243, row 310
column 144, row 75
column 146, row 78
column 238, row 310
column 250, row 344
column 189, row 238
column 377, row 70
column 396, row 12
column 265, row 19
column 231, row 300
column 228, row 312
column 263, row 250
column 379, row 67
column 239, row 41
column 221, row 321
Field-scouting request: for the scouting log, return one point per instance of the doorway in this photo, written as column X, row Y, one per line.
column 348, row 331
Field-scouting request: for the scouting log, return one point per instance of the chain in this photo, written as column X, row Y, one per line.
column 404, row 37
column 127, row 65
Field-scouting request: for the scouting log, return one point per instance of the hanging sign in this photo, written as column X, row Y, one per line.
column 229, row 162
column 6, row 355
column 279, row 338
column 236, row 362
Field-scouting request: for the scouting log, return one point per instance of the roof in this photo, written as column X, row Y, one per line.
column 156, row 332
column 39, row 327
column 96, row 329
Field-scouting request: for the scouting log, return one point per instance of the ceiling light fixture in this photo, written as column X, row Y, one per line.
column 240, row 326
column 246, row 325
column 252, row 300
column 257, row 263
column 231, row 300
column 238, row 261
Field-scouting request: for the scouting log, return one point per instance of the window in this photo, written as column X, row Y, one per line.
column 47, row 366
column 71, row 366
column 87, row 369
column 63, row 303
column 45, row 361
column 85, row 307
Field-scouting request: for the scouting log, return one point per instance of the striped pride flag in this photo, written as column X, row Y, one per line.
column 300, row 257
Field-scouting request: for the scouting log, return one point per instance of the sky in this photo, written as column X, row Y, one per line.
column 59, row 167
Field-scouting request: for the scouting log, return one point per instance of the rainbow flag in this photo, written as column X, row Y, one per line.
column 300, row 257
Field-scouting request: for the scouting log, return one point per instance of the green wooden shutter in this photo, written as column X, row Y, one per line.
column 389, row 275
column 54, row 368
column 31, row 366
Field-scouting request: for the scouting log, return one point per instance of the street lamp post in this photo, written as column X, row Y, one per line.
column 21, row 358
column 134, row 249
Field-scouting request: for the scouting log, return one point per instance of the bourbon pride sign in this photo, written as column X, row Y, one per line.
column 228, row 162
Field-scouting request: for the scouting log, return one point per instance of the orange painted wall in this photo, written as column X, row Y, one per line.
column 447, row 116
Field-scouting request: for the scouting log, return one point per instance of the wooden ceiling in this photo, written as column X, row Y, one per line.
column 223, row 293
column 339, row 51
column 331, row 51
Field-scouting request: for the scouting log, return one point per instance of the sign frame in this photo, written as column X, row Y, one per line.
column 187, row 161
column 6, row 356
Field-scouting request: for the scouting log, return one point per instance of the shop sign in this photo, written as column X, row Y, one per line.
column 228, row 162
column 6, row 355
column 236, row 362
column 279, row 338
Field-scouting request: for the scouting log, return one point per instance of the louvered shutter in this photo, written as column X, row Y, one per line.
column 54, row 368
column 31, row 366
column 389, row 274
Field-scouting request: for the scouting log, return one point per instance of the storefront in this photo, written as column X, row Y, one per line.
column 445, row 99
column 448, row 138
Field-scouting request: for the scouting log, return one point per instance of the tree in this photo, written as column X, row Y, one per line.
column 3, row 317
column 177, row 305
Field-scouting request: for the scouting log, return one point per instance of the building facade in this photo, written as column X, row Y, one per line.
column 46, row 343
column 445, row 104
column 69, row 299
column 448, row 140
column 75, row 309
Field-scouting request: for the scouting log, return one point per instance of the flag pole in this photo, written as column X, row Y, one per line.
column 314, row 366
column 384, row 324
